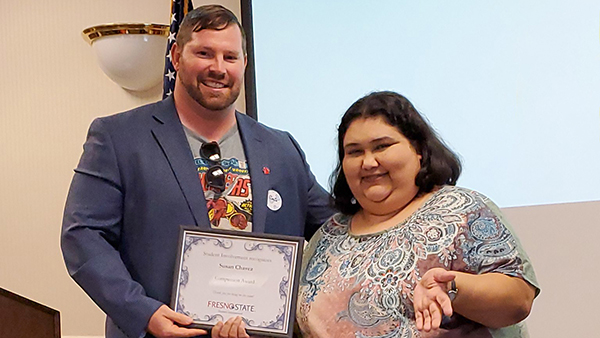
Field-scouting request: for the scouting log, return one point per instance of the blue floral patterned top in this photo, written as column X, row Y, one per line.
column 362, row 286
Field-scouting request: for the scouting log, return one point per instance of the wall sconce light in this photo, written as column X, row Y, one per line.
column 132, row 55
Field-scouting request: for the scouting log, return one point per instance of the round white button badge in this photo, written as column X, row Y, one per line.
column 273, row 200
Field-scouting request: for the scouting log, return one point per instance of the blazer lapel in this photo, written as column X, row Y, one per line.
column 258, row 158
column 170, row 135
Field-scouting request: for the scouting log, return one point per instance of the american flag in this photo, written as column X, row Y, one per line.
column 179, row 8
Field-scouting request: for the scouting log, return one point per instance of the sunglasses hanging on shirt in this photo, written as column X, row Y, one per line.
column 215, row 175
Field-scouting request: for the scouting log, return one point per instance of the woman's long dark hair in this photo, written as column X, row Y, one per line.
column 439, row 165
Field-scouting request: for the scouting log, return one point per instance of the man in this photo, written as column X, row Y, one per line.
column 146, row 172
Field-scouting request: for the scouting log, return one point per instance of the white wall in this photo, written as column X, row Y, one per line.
column 511, row 85
column 501, row 81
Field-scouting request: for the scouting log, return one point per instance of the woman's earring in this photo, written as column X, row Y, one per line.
column 353, row 200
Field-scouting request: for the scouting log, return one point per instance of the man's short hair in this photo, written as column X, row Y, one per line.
column 214, row 17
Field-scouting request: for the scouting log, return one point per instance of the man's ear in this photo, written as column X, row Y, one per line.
column 175, row 55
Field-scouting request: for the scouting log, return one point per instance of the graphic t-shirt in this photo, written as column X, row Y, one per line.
column 231, row 209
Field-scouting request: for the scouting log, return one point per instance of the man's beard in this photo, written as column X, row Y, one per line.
column 216, row 102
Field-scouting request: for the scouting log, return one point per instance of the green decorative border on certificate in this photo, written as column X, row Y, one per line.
column 223, row 274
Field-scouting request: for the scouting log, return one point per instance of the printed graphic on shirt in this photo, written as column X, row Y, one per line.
column 231, row 209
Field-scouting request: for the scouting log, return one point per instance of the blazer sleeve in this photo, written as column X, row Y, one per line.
column 319, row 207
column 92, row 223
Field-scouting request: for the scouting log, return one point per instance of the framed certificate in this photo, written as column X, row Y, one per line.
column 222, row 274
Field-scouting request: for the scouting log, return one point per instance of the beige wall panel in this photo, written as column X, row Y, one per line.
column 52, row 90
column 562, row 242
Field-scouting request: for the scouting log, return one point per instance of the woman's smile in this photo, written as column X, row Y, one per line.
column 373, row 178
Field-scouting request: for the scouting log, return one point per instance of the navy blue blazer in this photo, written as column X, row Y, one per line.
column 137, row 182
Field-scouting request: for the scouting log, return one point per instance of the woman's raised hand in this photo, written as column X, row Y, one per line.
column 431, row 299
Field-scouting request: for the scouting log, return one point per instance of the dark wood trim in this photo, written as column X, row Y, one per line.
column 27, row 302
column 37, row 307
column 250, row 76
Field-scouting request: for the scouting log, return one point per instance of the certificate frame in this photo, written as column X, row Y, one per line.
column 222, row 274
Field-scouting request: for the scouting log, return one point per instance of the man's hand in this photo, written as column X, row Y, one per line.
column 163, row 324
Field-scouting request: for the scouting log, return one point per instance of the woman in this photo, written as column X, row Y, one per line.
column 410, row 254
